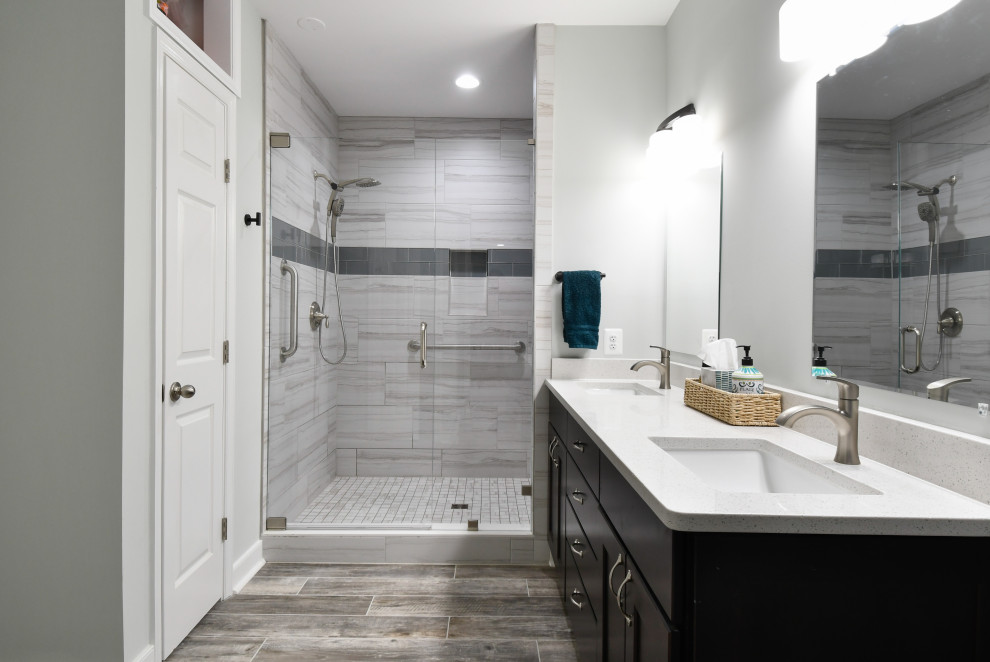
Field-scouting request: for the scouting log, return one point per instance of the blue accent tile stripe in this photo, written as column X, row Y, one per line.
column 299, row 246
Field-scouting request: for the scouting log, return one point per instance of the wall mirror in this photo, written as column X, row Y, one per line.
column 694, row 231
column 902, row 234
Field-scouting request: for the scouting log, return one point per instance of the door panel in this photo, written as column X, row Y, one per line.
column 194, row 271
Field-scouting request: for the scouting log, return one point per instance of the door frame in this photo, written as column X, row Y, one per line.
column 166, row 47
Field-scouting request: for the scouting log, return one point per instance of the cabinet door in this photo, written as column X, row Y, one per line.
column 613, row 624
column 649, row 638
column 556, row 484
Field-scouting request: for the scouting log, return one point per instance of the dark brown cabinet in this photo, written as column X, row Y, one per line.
column 635, row 590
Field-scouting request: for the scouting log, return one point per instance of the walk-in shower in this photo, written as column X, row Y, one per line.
column 362, row 433
column 318, row 319
column 950, row 320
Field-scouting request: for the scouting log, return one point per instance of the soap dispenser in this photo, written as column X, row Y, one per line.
column 819, row 366
column 747, row 379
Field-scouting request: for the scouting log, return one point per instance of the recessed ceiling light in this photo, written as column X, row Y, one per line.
column 467, row 81
column 311, row 24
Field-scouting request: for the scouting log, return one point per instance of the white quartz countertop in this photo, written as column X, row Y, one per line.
column 622, row 424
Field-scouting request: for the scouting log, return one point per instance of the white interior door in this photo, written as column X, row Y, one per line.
column 195, row 222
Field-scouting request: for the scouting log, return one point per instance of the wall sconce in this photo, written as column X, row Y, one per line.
column 680, row 144
column 836, row 32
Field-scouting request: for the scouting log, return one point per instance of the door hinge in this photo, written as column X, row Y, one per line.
column 223, row 530
column 276, row 524
column 226, row 352
column 226, row 171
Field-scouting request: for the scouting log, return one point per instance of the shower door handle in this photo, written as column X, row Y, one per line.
column 917, row 348
column 422, row 344
column 286, row 352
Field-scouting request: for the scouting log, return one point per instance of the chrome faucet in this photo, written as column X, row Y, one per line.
column 940, row 390
column 663, row 366
column 845, row 418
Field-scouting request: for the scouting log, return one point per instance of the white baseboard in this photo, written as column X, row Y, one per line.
column 146, row 655
column 247, row 566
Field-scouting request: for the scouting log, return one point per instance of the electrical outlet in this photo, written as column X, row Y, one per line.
column 708, row 335
column 613, row 341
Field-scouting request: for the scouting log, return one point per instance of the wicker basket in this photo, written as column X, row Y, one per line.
column 732, row 408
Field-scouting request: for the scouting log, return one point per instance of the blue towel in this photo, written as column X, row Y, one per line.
column 581, row 302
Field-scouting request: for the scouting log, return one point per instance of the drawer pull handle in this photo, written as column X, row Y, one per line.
column 578, row 445
column 618, row 598
column 578, row 496
column 579, row 605
column 618, row 562
column 553, row 447
column 578, row 542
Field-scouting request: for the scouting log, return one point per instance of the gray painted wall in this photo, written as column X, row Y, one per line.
column 609, row 97
column 60, row 399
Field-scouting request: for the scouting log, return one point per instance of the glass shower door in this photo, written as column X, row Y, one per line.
column 349, row 440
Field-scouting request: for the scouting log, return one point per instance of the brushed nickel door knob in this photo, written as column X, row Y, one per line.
column 177, row 390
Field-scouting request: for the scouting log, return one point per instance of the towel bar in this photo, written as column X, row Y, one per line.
column 559, row 276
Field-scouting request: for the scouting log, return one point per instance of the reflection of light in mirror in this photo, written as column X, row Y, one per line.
column 832, row 33
column 915, row 11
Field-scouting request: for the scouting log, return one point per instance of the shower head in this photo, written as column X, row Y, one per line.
column 907, row 186
column 335, row 206
column 360, row 182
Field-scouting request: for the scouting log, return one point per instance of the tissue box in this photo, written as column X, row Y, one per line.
column 720, row 379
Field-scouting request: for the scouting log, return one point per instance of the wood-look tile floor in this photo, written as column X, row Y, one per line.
column 354, row 613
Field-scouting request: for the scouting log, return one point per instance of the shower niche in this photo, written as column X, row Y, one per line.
column 407, row 403
column 902, row 275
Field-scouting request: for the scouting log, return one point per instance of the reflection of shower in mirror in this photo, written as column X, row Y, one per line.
column 930, row 212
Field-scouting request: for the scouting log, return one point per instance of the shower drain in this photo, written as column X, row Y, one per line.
column 458, row 506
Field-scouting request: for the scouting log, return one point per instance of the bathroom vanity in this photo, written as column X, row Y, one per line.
column 678, row 537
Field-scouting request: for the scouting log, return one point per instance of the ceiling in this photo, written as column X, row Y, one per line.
column 400, row 58
column 918, row 63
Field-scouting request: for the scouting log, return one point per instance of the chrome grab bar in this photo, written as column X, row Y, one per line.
column 917, row 348
column 421, row 343
column 286, row 352
column 519, row 347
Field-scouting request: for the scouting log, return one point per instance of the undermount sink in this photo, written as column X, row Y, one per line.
column 617, row 388
column 756, row 465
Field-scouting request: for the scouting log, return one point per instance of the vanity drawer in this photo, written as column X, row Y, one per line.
column 579, row 495
column 558, row 417
column 580, row 615
column 585, row 453
column 658, row 550
column 586, row 559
